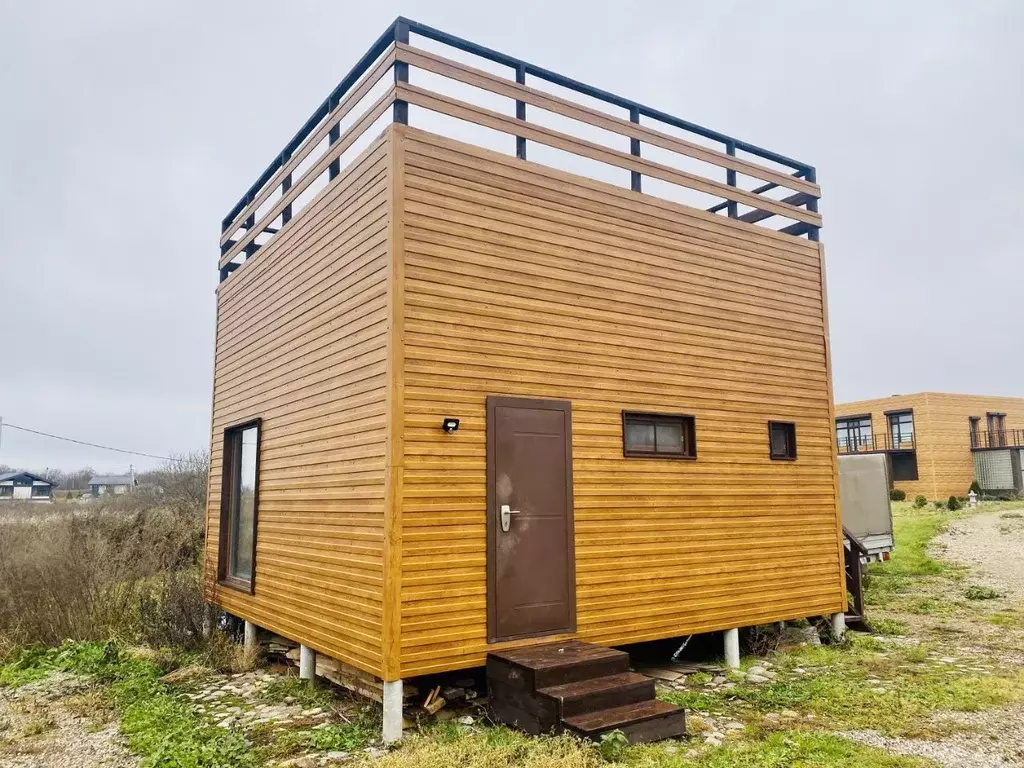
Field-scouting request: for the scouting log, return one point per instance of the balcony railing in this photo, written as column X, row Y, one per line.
column 384, row 84
column 997, row 438
column 884, row 442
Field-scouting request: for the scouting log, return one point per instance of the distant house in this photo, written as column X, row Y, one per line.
column 102, row 485
column 25, row 486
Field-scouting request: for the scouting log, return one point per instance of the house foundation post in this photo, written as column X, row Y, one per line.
column 249, row 638
column 838, row 626
column 307, row 663
column 732, row 648
column 392, row 711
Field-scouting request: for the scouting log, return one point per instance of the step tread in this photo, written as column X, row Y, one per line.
column 569, row 691
column 617, row 717
column 555, row 655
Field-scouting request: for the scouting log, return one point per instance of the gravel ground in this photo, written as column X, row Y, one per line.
column 991, row 545
column 37, row 729
column 995, row 739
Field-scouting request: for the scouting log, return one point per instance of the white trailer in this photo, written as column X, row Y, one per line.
column 864, row 497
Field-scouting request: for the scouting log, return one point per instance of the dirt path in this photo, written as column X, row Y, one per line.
column 58, row 723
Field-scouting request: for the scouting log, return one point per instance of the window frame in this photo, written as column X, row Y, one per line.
column 687, row 422
column 974, row 422
column 224, row 577
column 898, row 424
column 790, row 440
column 854, row 429
column 996, row 423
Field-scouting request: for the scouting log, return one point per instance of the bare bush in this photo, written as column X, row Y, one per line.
column 120, row 567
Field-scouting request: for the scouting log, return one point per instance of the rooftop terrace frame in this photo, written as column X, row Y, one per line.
column 789, row 190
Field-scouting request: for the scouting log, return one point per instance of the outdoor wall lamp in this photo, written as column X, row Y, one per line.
column 449, row 425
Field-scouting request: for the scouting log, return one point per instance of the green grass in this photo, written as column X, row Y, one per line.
column 157, row 724
column 502, row 748
column 978, row 592
column 305, row 693
column 836, row 691
column 162, row 726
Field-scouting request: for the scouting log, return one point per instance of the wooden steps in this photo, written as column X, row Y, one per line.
column 581, row 688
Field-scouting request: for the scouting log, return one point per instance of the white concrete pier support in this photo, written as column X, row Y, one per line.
column 732, row 648
column 839, row 627
column 250, row 637
column 392, row 711
column 307, row 663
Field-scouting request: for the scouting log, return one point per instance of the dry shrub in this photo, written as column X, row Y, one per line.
column 224, row 654
column 761, row 640
column 122, row 567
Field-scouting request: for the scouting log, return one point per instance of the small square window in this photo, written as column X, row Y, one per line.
column 658, row 435
column 782, row 439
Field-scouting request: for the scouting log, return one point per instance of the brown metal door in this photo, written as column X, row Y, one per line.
column 531, row 587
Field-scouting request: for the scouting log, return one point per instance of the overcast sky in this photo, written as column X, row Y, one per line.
column 128, row 129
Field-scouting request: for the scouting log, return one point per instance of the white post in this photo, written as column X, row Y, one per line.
column 392, row 730
column 307, row 663
column 732, row 648
column 250, row 637
column 838, row 626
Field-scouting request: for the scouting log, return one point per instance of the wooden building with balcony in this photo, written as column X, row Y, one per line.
column 939, row 443
column 506, row 360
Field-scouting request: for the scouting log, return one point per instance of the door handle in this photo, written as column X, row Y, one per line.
column 506, row 516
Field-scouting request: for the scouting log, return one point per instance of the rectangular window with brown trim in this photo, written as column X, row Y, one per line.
column 658, row 435
column 782, row 440
column 239, row 505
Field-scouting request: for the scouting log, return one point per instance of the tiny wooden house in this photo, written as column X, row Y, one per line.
column 480, row 397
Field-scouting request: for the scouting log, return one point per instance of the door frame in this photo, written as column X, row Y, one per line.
column 494, row 402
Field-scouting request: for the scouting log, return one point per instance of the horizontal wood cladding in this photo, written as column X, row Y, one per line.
column 525, row 281
column 942, row 433
column 302, row 344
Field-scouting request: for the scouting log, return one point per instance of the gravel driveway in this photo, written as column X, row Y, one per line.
column 992, row 545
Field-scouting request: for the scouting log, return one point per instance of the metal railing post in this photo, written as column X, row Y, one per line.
column 730, row 177
column 521, row 112
column 812, row 204
column 286, row 214
column 634, row 149
column 332, row 138
column 401, row 108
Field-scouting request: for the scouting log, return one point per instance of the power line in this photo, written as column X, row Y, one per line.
column 91, row 445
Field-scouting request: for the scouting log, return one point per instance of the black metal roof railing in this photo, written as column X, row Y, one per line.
column 395, row 40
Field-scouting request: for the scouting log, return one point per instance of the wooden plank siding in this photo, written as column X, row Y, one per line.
column 526, row 281
column 302, row 338
column 945, row 464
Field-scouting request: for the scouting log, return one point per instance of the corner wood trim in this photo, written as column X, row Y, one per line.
column 840, row 546
column 391, row 627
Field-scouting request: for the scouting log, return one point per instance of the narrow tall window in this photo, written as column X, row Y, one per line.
column 782, row 439
column 996, row 430
column 658, row 435
column 975, row 420
column 239, row 503
column 901, row 431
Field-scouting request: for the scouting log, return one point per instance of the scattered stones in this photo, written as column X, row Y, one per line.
column 757, row 679
column 466, row 720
